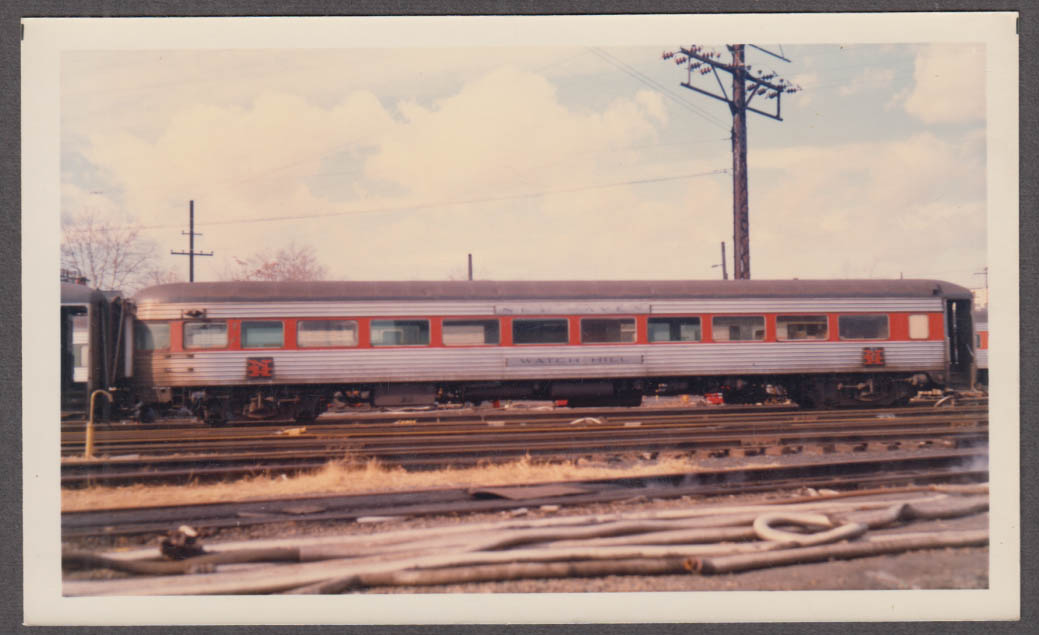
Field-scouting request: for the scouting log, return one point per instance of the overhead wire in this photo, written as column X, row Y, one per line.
column 421, row 206
column 696, row 110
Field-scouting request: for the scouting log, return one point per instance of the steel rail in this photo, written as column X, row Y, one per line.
column 858, row 472
column 498, row 447
column 158, row 443
column 477, row 416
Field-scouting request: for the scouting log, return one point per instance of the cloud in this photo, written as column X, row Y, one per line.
column 872, row 79
column 505, row 124
column 950, row 84
column 479, row 143
column 913, row 206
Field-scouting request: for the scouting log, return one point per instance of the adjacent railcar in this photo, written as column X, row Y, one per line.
column 256, row 349
column 981, row 344
column 94, row 344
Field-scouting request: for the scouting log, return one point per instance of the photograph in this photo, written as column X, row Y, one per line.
column 520, row 319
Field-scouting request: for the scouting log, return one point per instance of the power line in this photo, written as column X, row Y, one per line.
column 470, row 201
column 205, row 187
column 654, row 84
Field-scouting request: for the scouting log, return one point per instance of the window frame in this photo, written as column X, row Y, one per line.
column 621, row 318
column 649, row 330
column 372, row 328
column 146, row 323
column 764, row 327
column 187, row 324
column 242, row 328
column 887, row 325
column 564, row 320
column 357, row 333
column 825, row 323
column 920, row 317
column 471, row 320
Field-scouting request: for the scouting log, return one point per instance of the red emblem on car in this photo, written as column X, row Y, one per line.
column 259, row 367
column 873, row 357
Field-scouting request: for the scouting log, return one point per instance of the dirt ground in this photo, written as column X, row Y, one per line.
column 935, row 569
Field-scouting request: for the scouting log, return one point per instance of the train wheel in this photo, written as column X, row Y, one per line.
column 309, row 409
column 630, row 399
column 305, row 416
column 214, row 413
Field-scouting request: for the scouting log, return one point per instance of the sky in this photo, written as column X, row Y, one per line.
column 543, row 161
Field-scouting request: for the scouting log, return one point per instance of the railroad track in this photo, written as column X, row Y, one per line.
column 73, row 430
column 429, row 443
column 846, row 472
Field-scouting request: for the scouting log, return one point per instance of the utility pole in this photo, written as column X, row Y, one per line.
column 740, row 204
column 745, row 86
column 470, row 267
column 983, row 272
column 191, row 253
column 725, row 272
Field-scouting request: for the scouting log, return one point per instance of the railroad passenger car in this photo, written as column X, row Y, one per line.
column 95, row 340
column 256, row 349
column 981, row 344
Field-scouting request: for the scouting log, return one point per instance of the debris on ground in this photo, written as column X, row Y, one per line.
column 702, row 540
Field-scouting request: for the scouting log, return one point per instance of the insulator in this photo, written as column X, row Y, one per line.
column 761, row 91
column 696, row 65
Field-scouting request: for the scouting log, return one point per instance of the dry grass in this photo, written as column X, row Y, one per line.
column 353, row 477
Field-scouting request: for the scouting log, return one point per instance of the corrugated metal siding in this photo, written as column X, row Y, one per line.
column 158, row 311
column 798, row 305
column 438, row 364
column 149, row 311
column 793, row 357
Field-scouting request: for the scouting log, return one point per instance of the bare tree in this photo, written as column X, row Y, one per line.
column 110, row 256
column 161, row 276
column 294, row 262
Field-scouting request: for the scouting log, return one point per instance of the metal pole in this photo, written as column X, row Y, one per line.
column 470, row 266
column 88, row 451
column 725, row 272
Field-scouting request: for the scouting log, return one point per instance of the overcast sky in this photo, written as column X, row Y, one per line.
column 544, row 162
